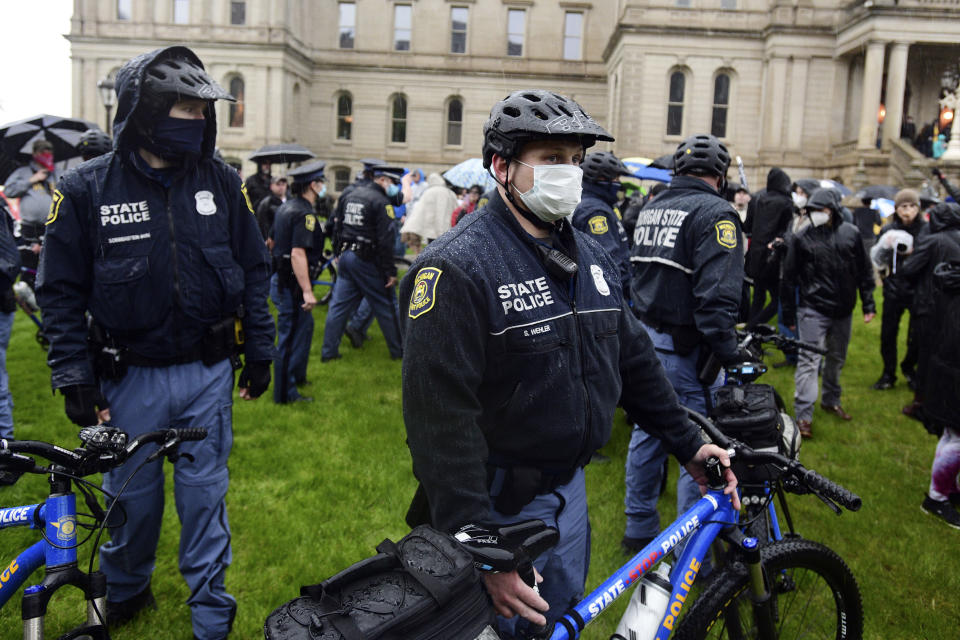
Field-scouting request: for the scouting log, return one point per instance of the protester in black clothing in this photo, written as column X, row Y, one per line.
column 897, row 290
column 258, row 185
column 953, row 191
column 767, row 220
column 267, row 208
column 868, row 221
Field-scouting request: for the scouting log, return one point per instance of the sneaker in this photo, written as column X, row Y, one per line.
column 943, row 510
column 355, row 336
column 805, row 428
column 119, row 613
column 885, row 382
column 633, row 546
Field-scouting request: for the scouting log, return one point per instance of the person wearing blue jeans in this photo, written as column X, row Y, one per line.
column 6, row 399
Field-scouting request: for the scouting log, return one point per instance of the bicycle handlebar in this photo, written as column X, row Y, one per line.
column 758, row 335
column 817, row 483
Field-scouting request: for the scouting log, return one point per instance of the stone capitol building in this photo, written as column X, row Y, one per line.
column 820, row 88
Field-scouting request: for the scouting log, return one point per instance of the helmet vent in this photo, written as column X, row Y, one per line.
column 513, row 112
column 532, row 97
column 540, row 114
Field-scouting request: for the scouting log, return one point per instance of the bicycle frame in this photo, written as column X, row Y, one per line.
column 700, row 525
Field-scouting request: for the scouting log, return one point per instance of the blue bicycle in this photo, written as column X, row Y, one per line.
column 102, row 448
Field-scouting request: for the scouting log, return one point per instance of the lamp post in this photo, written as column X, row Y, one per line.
column 107, row 97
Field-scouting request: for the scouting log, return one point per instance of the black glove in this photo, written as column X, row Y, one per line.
column 255, row 377
column 937, row 173
column 81, row 402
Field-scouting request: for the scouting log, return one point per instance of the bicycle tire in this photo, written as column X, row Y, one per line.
column 323, row 283
column 810, row 581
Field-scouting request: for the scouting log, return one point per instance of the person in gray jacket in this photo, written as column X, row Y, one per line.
column 33, row 184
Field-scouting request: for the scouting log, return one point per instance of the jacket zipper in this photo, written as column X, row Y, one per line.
column 583, row 381
column 173, row 248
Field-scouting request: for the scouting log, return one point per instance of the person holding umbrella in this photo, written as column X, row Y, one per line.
column 34, row 184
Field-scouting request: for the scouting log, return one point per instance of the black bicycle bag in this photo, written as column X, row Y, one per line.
column 424, row 587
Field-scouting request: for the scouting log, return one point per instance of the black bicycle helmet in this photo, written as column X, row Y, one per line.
column 701, row 155
column 182, row 78
column 534, row 113
column 94, row 143
column 603, row 166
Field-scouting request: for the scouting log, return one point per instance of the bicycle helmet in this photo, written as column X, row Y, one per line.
column 701, row 155
column 182, row 78
column 603, row 166
column 94, row 143
column 534, row 113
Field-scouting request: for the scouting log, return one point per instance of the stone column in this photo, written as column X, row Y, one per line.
column 776, row 94
column 896, row 84
column 872, row 82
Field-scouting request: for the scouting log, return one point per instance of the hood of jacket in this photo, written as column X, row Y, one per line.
column 129, row 83
column 436, row 180
column 945, row 215
column 779, row 181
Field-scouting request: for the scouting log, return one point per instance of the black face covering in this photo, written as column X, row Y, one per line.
column 173, row 138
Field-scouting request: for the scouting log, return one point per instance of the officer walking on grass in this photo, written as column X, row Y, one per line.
column 517, row 349
column 295, row 234
column 686, row 286
column 158, row 243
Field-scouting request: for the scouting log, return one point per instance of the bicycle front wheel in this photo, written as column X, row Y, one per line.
column 813, row 594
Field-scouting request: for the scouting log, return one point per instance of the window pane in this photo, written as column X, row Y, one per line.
column 573, row 24
column 399, row 133
column 676, row 87
column 238, row 13
column 344, row 117
column 721, row 89
column 572, row 35
column 683, row 3
column 718, row 126
column 453, row 133
column 455, row 111
column 402, row 19
column 341, row 178
column 458, row 27
column 348, row 23
column 399, row 107
column 454, row 122
column 515, row 20
column 181, row 11
column 236, row 108
column 124, row 9
column 728, row 4
column 674, row 119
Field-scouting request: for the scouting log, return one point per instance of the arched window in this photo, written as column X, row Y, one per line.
column 675, row 103
column 236, row 108
column 398, row 119
column 721, row 103
column 454, row 122
column 344, row 116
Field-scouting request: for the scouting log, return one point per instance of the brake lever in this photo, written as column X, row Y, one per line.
column 828, row 502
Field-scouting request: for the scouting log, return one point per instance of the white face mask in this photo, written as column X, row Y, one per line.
column 555, row 192
column 799, row 201
column 818, row 218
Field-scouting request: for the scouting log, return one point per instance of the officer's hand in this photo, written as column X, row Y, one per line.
column 309, row 300
column 867, row 317
column 392, row 280
column 511, row 596
column 85, row 405
column 697, row 471
column 254, row 379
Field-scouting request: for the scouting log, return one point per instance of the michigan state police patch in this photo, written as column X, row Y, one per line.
column 424, row 291
column 598, row 225
column 726, row 234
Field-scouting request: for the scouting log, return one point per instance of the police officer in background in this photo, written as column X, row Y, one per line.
column 597, row 214
column 686, row 287
column 366, row 267
column 157, row 241
column 295, row 230
column 517, row 349
column 93, row 144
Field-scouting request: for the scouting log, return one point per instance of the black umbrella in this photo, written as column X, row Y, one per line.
column 876, row 191
column 663, row 162
column 17, row 138
column 280, row 153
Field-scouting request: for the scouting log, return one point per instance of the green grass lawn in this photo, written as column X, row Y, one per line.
column 315, row 487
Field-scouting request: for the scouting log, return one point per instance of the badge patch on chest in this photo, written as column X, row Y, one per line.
column 599, row 281
column 598, row 225
column 205, row 203
column 726, row 234
column 424, row 291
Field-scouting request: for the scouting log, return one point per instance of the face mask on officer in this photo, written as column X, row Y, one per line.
column 180, row 132
column 555, row 192
column 321, row 190
column 819, row 218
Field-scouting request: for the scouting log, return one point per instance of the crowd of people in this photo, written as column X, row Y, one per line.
column 531, row 311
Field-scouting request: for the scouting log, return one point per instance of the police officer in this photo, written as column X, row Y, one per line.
column 597, row 214
column 686, row 285
column 94, row 143
column 158, row 242
column 366, row 266
column 517, row 349
column 295, row 230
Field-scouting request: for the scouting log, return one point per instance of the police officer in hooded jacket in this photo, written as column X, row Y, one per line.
column 517, row 349
column 597, row 213
column 157, row 241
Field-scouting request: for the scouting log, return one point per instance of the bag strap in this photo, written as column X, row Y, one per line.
column 347, row 627
column 365, row 568
column 439, row 591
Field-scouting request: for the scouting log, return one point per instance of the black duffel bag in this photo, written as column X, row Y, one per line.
column 424, row 587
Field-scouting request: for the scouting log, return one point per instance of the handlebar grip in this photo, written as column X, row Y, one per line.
column 191, row 433
column 10, row 461
column 809, row 347
column 832, row 490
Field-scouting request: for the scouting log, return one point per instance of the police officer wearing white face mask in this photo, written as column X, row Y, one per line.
column 518, row 347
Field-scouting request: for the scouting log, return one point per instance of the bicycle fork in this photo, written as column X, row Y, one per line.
column 761, row 597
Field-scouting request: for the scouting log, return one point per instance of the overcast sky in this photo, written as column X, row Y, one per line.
column 36, row 58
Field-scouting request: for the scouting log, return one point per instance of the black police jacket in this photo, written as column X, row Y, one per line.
column 895, row 286
column 155, row 257
column 597, row 217
column 368, row 223
column 829, row 264
column 688, row 263
column 293, row 227
column 505, row 363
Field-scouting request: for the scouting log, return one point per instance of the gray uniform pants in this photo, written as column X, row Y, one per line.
column 832, row 333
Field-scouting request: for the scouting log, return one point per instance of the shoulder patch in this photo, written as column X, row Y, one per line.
column 598, row 225
column 616, row 211
column 246, row 196
column 310, row 221
column 726, row 234
column 390, row 213
column 424, row 291
column 54, row 207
